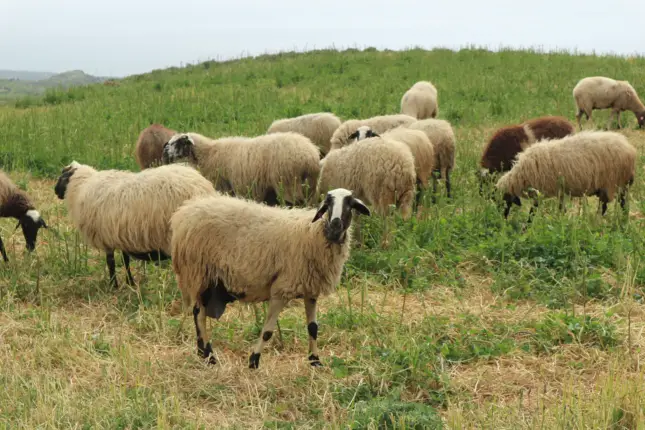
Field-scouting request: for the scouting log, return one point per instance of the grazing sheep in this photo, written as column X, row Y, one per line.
column 378, row 171
column 379, row 124
column 417, row 142
column 127, row 211
column 226, row 249
column 589, row 162
column 14, row 203
column 442, row 138
column 598, row 92
column 149, row 148
column 502, row 148
column 261, row 165
column 420, row 101
column 318, row 127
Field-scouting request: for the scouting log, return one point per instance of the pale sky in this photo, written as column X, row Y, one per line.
column 122, row 37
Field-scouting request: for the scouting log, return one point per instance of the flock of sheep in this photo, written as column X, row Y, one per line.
column 268, row 218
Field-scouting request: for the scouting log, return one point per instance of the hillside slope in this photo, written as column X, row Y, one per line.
column 36, row 84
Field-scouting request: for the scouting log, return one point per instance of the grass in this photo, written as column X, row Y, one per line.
column 463, row 321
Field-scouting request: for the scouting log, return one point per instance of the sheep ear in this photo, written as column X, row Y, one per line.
column 354, row 135
column 359, row 206
column 517, row 201
column 321, row 211
column 43, row 224
column 372, row 134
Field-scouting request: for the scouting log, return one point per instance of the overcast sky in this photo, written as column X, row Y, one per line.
column 122, row 37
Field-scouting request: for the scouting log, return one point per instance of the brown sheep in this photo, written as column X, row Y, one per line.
column 149, row 149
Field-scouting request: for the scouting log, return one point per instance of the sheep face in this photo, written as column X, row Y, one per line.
column 63, row 180
column 31, row 222
column 179, row 146
column 363, row 132
column 641, row 119
column 338, row 204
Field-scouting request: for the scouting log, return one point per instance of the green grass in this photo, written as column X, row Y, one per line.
column 463, row 319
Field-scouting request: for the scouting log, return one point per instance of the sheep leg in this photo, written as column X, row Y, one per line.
column 532, row 211
column 109, row 256
column 275, row 307
column 204, row 351
column 417, row 200
column 448, row 183
column 603, row 199
column 3, row 251
column 126, row 263
column 579, row 117
column 312, row 328
column 434, row 188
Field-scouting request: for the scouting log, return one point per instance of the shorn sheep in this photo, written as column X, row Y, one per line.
column 226, row 249
column 14, row 203
column 587, row 163
column 417, row 142
column 379, row 124
column 377, row 171
column 149, row 147
column 318, row 127
column 442, row 138
column 420, row 101
column 127, row 211
column 261, row 166
column 598, row 92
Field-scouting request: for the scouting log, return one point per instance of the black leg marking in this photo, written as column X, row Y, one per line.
column 271, row 197
column 195, row 313
column 448, row 183
column 314, row 361
column 312, row 328
column 112, row 268
column 126, row 263
column 509, row 203
column 267, row 335
column 418, row 196
column 202, row 351
column 254, row 360
column 3, row 251
column 532, row 211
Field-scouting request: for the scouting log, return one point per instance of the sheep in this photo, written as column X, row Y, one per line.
column 318, row 127
column 127, row 211
column 378, row 171
column 261, row 165
column 14, row 203
column 379, row 124
column 226, row 249
column 149, row 147
column 442, row 137
column 598, row 92
column 420, row 101
column 590, row 163
column 417, row 142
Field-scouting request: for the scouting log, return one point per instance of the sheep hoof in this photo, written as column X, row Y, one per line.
column 315, row 361
column 254, row 360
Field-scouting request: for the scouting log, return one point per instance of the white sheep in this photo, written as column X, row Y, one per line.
column 377, row 171
column 318, row 127
column 149, row 147
column 127, row 211
column 420, row 101
column 261, row 166
column 14, row 203
column 379, row 124
column 442, row 138
column 587, row 163
column 226, row 249
column 598, row 92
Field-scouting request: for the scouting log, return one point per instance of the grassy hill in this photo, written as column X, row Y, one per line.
column 24, row 75
column 463, row 317
column 15, row 84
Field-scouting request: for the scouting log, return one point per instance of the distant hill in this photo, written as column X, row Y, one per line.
column 17, row 84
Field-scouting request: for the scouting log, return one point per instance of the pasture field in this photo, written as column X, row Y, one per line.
column 464, row 320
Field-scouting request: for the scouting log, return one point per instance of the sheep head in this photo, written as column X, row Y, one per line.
column 179, row 146
column 338, row 205
column 31, row 222
column 640, row 117
column 363, row 132
column 63, row 180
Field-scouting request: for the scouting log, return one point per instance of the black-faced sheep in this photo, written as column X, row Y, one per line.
column 379, row 124
column 261, row 166
column 587, row 163
column 598, row 92
column 149, row 149
column 378, row 171
column 14, row 203
column 226, row 249
column 420, row 101
column 318, row 127
column 127, row 211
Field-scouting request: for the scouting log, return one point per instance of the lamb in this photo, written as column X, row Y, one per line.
column 127, row 211
column 442, row 137
column 318, row 127
column 420, row 101
column 226, row 249
column 378, row 171
column 150, row 143
column 417, row 142
column 590, row 163
column 16, row 204
column 261, row 166
column 379, row 124
column 598, row 92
